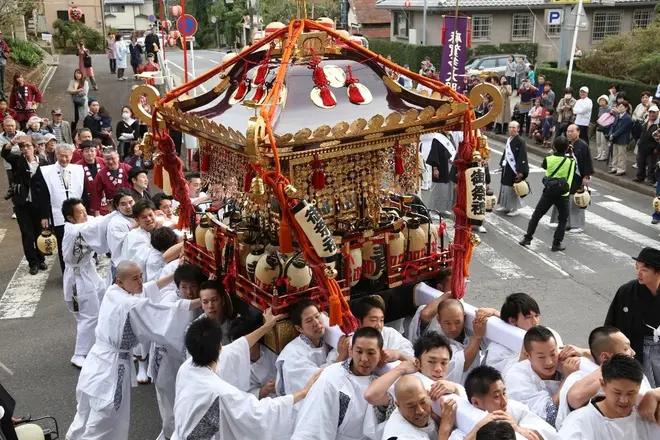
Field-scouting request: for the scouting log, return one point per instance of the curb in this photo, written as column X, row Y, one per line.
column 47, row 78
column 600, row 174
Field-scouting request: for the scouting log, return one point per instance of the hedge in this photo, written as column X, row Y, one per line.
column 598, row 85
column 26, row 53
column 404, row 53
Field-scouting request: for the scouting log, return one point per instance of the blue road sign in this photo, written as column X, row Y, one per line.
column 187, row 25
column 151, row 18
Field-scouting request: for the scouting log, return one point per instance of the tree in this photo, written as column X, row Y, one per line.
column 11, row 9
column 285, row 10
column 632, row 56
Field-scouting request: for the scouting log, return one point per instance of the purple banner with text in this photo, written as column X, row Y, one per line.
column 454, row 52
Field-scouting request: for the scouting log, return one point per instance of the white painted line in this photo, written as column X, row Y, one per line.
column 612, row 198
column 515, row 234
column 619, row 231
column 214, row 62
column 199, row 58
column 190, row 74
column 489, row 257
column 23, row 293
column 4, row 367
column 597, row 247
column 626, row 211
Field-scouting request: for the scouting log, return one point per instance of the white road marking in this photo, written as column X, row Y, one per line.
column 190, row 74
column 214, row 62
column 199, row 58
column 597, row 247
column 4, row 367
column 23, row 293
column 612, row 198
column 619, row 231
column 489, row 257
column 515, row 234
column 628, row 212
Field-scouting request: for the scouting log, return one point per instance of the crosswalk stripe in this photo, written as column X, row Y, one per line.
column 626, row 211
column 489, row 257
column 23, row 293
column 620, row 231
column 598, row 247
column 532, row 168
column 612, row 198
column 515, row 234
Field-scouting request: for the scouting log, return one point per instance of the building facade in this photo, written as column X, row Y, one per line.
column 517, row 21
column 59, row 10
column 127, row 16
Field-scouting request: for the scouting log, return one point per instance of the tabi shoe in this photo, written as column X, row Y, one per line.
column 558, row 247
column 34, row 270
column 13, row 216
column 553, row 225
column 620, row 173
column 142, row 376
column 513, row 213
column 482, row 229
column 43, row 266
column 655, row 222
column 77, row 361
column 501, row 209
column 612, row 171
column 576, row 230
column 525, row 242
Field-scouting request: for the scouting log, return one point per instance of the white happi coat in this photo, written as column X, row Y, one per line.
column 136, row 248
column 154, row 264
column 104, row 384
column 168, row 270
column 263, row 370
column 53, row 176
column 588, row 423
column 80, row 279
column 564, row 408
column 209, row 408
column 117, row 231
column 393, row 340
column 525, row 418
column 335, row 408
column 525, row 386
column 398, row 427
column 297, row 363
column 502, row 358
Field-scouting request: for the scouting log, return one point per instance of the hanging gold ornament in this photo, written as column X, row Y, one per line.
column 290, row 191
column 257, row 189
column 475, row 240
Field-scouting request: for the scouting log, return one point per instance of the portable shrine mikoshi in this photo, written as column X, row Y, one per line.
column 314, row 150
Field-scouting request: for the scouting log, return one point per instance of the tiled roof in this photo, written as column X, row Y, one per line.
column 123, row 2
column 367, row 14
column 481, row 4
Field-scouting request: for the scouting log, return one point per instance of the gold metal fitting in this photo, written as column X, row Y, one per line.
column 257, row 187
column 475, row 240
column 330, row 273
column 290, row 191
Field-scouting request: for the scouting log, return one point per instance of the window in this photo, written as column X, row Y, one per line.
column 553, row 30
column 481, row 25
column 113, row 9
column 489, row 63
column 605, row 24
column 522, row 27
column 642, row 18
column 400, row 24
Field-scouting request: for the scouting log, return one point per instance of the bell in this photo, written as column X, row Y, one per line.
column 47, row 243
column 290, row 191
column 257, row 188
column 582, row 198
column 491, row 200
column 656, row 204
column 521, row 188
column 268, row 270
column 298, row 273
column 252, row 259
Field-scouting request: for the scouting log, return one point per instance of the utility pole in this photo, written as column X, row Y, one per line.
column 424, row 23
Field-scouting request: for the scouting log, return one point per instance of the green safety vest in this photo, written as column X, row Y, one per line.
column 566, row 171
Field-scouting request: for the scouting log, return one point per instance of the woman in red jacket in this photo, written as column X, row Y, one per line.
column 24, row 99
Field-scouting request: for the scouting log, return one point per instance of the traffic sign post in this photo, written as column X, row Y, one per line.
column 581, row 23
column 554, row 17
column 187, row 25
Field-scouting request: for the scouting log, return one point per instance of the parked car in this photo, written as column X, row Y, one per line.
column 494, row 64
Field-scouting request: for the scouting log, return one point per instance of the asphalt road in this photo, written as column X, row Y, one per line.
column 202, row 61
column 574, row 288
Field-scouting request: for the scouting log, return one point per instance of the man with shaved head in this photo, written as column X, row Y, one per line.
column 579, row 388
column 466, row 343
column 125, row 316
column 584, row 168
column 412, row 418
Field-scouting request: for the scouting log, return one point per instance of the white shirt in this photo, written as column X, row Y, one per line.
column 525, row 386
column 297, row 363
column 397, row 426
column 582, row 111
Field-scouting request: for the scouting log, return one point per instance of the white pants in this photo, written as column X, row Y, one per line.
column 86, row 318
column 163, row 369
column 95, row 420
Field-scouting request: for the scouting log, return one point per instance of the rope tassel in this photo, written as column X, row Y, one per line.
column 398, row 160
column 318, row 175
column 354, row 94
column 321, row 82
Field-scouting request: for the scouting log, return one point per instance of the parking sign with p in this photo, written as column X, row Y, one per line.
column 553, row 16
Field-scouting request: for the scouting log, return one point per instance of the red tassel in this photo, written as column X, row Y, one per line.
column 327, row 98
column 206, row 162
column 262, row 71
column 241, row 91
column 398, row 161
column 354, row 94
column 318, row 176
column 158, row 175
column 259, row 94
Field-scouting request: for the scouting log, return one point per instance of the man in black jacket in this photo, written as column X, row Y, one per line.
column 28, row 184
column 94, row 123
column 647, row 148
column 149, row 41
